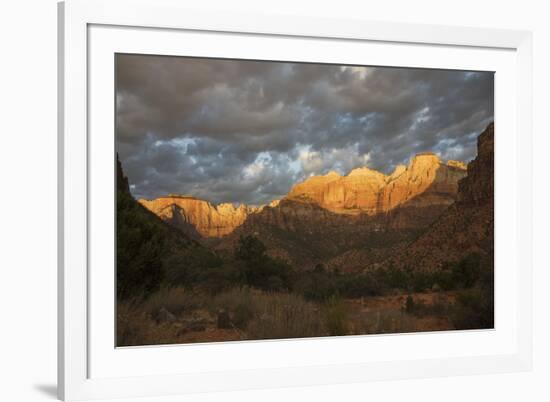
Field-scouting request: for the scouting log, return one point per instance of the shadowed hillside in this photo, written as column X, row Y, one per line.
column 467, row 226
column 150, row 252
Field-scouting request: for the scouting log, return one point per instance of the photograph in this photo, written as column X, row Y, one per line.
column 267, row 199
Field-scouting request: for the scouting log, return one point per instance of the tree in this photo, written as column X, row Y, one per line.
column 260, row 270
column 250, row 249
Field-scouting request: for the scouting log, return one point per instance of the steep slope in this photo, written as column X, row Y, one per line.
column 467, row 226
column 306, row 234
column 150, row 252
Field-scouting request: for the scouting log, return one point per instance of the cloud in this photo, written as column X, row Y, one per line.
column 342, row 160
column 245, row 131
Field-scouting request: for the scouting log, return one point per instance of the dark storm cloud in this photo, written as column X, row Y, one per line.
column 245, row 131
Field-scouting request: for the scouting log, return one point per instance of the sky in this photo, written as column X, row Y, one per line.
column 245, row 131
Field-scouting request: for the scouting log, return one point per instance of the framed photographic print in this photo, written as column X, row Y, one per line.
column 253, row 201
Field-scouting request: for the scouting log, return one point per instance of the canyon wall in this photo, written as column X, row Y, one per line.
column 189, row 214
column 412, row 196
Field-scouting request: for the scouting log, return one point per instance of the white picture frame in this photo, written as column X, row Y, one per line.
column 90, row 367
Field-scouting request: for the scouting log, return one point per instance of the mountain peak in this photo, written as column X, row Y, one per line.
column 365, row 171
column 333, row 173
column 424, row 161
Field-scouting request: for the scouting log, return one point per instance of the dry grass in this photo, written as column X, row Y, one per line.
column 280, row 315
column 255, row 314
column 177, row 300
column 135, row 327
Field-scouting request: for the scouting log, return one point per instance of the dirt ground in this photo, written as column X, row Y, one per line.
column 387, row 314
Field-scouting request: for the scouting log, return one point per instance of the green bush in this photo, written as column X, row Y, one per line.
column 139, row 249
column 474, row 309
column 242, row 315
column 467, row 271
column 409, row 304
column 336, row 317
column 258, row 270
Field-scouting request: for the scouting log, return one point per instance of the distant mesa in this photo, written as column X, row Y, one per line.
column 367, row 191
column 424, row 182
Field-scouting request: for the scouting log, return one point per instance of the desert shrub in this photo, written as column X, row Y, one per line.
column 250, row 249
column 194, row 265
column 258, row 270
column 385, row 321
column 238, row 302
column 242, row 315
column 130, row 325
column 319, row 268
column 474, row 309
column 139, row 249
column 230, row 299
column 176, row 300
column 336, row 317
column 316, row 285
column 409, row 304
column 467, row 271
column 359, row 285
column 284, row 315
column 135, row 327
column 444, row 279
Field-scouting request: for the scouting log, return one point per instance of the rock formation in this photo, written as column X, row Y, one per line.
column 188, row 213
column 465, row 227
column 411, row 197
column 424, row 182
column 352, row 194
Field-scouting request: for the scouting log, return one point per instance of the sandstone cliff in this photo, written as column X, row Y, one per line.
column 352, row 194
column 465, row 227
column 425, row 182
column 411, row 197
column 189, row 214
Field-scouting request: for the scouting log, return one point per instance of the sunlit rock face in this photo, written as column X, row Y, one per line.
column 208, row 220
column 410, row 197
column 426, row 181
column 355, row 193
column 457, row 164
